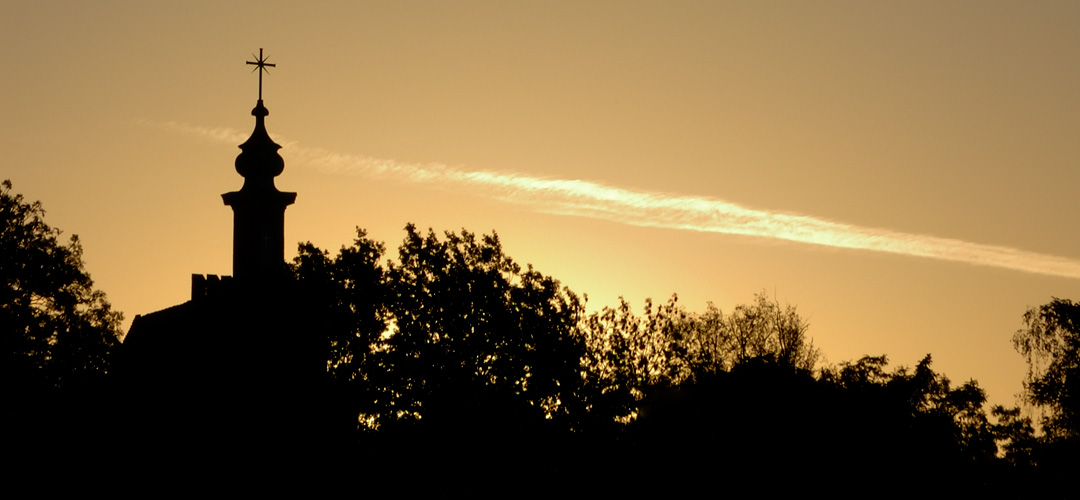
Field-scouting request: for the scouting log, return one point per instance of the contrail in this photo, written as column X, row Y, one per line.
column 651, row 209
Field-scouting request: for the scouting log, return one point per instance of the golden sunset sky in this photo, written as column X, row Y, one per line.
column 906, row 173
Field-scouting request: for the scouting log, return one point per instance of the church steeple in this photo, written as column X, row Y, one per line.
column 258, row 207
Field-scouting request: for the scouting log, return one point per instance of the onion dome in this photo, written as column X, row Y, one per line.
column 259, row 161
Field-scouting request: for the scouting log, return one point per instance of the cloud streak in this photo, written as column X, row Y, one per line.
column 652, row 209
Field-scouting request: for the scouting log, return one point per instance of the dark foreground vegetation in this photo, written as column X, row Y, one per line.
column 453, row 368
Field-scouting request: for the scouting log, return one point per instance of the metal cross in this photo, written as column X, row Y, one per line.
column 261, row 64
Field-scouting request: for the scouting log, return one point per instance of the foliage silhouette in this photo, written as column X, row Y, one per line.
column 1015, row 436
column 454, row 334
column 453, row 357
column 351, row 292
column 61, row 329
column 471, row 325
column 62, row 334
column 1050, row 343
column 764, row 418
column 669, row 346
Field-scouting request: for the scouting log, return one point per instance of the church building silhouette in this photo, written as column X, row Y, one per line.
column 234, row 367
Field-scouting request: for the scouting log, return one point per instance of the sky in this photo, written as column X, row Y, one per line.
column 905, row 173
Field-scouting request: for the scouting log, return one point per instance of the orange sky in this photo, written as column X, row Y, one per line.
column 917, row 120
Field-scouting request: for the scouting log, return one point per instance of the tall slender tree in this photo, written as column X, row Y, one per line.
column 1050, row 343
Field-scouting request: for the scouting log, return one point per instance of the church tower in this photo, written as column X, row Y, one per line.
column 258, row 207
column 235, row 369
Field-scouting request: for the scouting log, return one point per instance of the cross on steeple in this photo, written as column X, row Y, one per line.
column 261, row 64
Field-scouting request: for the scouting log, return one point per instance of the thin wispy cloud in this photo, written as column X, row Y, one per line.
column 651, row 209
column 225, row 135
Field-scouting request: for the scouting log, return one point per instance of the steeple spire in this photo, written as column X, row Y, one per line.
column 258, row 207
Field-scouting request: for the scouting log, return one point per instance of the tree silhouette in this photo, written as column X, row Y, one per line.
column 451, row 356
column 667, row 346
column 62, row 334
column 472, row 327
column 350, row 292
column 61, row 329
column 452, row 333
column 1050, row 343
column 1015, row 435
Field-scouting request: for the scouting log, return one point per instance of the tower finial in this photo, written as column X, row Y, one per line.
column 261, row 64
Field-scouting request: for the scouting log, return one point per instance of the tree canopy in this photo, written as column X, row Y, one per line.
column 453, row 333
column 62, row 329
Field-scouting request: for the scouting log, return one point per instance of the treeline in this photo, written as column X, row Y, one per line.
column 456, row 320
column 454, row 350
